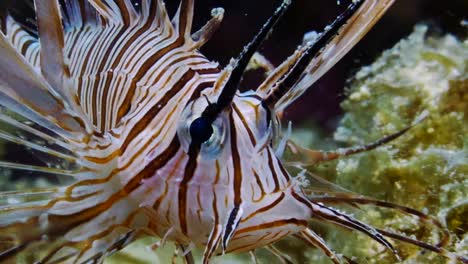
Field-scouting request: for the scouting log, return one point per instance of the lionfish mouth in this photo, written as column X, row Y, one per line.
column 157, row 140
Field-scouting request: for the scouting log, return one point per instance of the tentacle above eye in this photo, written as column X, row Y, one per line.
column 288, row 81
column 237, row 67
column 283, row 88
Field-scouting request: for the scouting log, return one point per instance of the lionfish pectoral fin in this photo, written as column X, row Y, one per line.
column 202, row 36
column 214, row 240
column 48, row 252
column 53, row 64
column 422, row 218
column 314, row 240
column 118, row 244
column 39, row 109
column 25, row 92
column 331, row 215
column 33, row 229
column 310, row 157
column 35, row 116
column 58, row 160
column 21, row 231
column 282, row 257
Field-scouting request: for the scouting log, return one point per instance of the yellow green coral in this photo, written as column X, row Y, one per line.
column 426, row 168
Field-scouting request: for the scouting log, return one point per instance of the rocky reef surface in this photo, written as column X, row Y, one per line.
column 427, row 168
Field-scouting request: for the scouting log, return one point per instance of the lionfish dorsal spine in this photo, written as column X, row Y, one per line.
column 53, row 63
column 120, row 12
column 183, row 19
column 348, row 35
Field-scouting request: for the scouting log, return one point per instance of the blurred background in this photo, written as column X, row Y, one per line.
column 244, row 17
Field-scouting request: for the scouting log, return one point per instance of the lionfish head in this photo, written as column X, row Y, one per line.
column 240, row 133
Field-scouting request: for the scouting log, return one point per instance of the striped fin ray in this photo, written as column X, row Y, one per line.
column 57, row 249
column 25, row 92
column 24, row 43
column 184, row 18
column 30, row 130
column 153, row 13
column 54, row 156
column 204, row 34
column 34, row 116
column 109, row 11
column 136, row 44
column 62, row 232
column 53, row 66
column 78, row 14
column 53, row 61
column 142, row 61
column 354, row 30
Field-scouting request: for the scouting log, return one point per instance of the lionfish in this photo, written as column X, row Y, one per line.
column 158, row 140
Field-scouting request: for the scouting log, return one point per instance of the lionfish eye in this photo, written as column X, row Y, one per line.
column 194, row 127
column 201, row 130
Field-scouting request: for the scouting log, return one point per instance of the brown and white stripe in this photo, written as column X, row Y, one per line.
column 115, row 91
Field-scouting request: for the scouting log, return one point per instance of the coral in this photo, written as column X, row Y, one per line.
column 426, row 168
